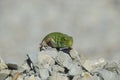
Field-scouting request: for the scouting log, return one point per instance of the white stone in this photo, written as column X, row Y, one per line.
column 32, row 77
column 57, row 68
column 75, row 70
column 25, row 66
column 108, row 75
column 5, row 71
column 37, row 78
column 20, row 78
column 9, row 78
column 57, row 76
column 113, row 67
column 52, row 52
column 95, row 77
column 77, row 77
column 77, row 56
column 45, row 60
column 44, row 74
column 86, row 76
column 94, row 64
column 4, row 74
column 74, row 54
column 2, row 64
column 64, row 60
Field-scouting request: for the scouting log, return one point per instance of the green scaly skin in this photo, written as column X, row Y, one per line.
column 57, row 40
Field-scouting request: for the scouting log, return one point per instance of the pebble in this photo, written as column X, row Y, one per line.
column 75, row 70
column 113, row 67
column 45, row 60
column 64, row 60
column 108, row 75
column 2, row 64
column 12, row 66
column 57, row 68
column 44, row 74
column 57, row 76
column 3, row 76
column 8, row 78
column 30, row 77
column 54, row 65
column 94, row 64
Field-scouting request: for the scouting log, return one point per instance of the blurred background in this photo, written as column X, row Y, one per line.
column 94, row 25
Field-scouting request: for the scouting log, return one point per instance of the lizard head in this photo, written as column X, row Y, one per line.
column 67, row 41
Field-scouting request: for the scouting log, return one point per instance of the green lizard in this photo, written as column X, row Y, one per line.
column 57, row 40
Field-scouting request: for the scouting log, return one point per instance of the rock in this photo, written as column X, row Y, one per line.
column 57, row 76
column 52, row 52
column 77, row 77
column 64, row 60
column 97, row 77
column 94, row 64
column 75, row 69
column 6, row 71
column 57, row 68
column 25, row 67
column 37, row 78
column 12, row 66
column 20, row 78
column 17, row 76
column 108, row 75
column 8, row 78
column 45, row 60
column 32, row 77
column 2, row 64
column 44, row 74
column 86, row 76
column 113, row 67
column 3, row 76
column 77, row 57
column 74, row 54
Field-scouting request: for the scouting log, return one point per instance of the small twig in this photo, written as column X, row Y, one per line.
column 15, row 77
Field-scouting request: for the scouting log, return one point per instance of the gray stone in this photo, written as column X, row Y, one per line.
column 108, row 75
column 96, row 77
column 75, row 69
column 114, row 67
column 44, row 74
column 8, row 78
column 45, row 60
column 74, row 54
column 25, row 67
column 94, row 64
column 77, row 77
column 57, row 76
column 19, row 78
column 64, row 60
column 52, row 52
column 6, row 71
column 3, row 76
column 12, row 66
column 57, row 68
column 37, row 78
column 86, row 76
column 32, row 77
column 2, row 64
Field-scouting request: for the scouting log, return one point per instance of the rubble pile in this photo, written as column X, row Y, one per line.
column 54, row 65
